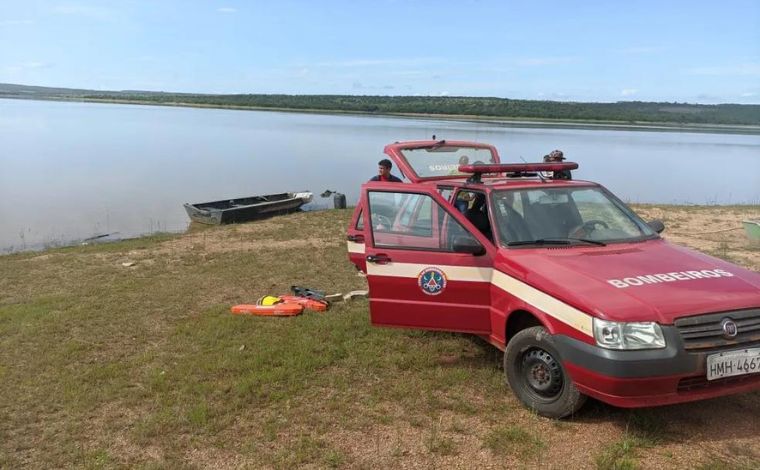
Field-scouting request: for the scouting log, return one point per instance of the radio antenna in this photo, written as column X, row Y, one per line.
column 540, row 176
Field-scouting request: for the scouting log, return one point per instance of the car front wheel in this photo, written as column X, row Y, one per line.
column 535, row 374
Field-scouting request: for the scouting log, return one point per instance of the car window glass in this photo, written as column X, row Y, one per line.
column 445, row 192
column 444, row 160
column 564, row 213
column 473, row 205
column 462, row 200
column 594, row 206
column 360, row 221
column 413, row 221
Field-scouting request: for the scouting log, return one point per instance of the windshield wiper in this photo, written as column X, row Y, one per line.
column 587, row 240
column 540, row 241
column 555, row 241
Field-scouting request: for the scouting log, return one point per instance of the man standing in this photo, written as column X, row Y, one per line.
column 384, row 172
column 556, row 156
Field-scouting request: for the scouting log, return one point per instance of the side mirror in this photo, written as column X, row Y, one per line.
column 656, row 225
column 468, row 245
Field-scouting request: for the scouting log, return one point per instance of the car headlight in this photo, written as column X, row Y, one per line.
column 624, row 335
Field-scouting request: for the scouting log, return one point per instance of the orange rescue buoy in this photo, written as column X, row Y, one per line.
column 277, row 310
column 308, row 303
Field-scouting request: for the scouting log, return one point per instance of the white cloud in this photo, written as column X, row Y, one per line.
column 558, row 96
column 357, row 63
column 539, row 61
column 407, row 73
column 749, row 94
column 748, row 68
column 226, row 10
column 628, row 91
column 378, row 62
column 17, row 68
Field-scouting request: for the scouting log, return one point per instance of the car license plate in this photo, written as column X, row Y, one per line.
column 731, row 363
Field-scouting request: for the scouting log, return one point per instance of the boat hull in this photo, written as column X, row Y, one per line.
column 240, row 210
column 752, row 228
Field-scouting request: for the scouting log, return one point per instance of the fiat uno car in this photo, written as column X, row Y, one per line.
column 583, row 296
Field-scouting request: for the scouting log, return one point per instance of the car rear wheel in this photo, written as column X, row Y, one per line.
column 535, row 374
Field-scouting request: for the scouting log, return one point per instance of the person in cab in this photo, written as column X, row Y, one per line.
column 556, row 156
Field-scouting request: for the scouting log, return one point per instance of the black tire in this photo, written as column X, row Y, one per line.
column 534, row 372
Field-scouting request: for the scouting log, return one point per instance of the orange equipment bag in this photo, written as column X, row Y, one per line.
column 277, row 310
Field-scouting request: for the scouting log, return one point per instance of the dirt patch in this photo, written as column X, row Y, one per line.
column 254, row 236
column 39, row 258
column 457, row 441
column 235, row 244
column 714, row 230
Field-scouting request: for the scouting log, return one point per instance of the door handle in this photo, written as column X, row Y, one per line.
column 356, row 238
column 379, row 259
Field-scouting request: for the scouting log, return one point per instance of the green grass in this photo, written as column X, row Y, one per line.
column 620, row 455
column 514, row 440
column 644, row 429
column 437, row 442
column 105, row 366
column 740, row 462
column 92, row 349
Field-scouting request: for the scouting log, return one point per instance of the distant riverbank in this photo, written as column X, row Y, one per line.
column 506, row 121
column 624, row 115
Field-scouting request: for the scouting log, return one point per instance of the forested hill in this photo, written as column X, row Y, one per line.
column 622, row 112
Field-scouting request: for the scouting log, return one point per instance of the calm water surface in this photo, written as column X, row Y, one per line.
column 69, row 171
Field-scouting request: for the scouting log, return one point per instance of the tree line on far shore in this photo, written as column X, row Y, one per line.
column 619, row 112
column 626, row 111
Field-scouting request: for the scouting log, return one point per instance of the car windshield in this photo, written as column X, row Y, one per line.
column 587, row 215
column 444, row 160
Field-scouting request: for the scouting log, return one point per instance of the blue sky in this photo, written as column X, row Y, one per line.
column 687, row 51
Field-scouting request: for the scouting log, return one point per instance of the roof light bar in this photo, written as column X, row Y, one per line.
column 514, row 169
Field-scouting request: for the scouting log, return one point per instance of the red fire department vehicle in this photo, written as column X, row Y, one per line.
column 582, row 295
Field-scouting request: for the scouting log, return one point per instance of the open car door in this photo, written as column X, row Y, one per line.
column 427, row 266
column 355, row 239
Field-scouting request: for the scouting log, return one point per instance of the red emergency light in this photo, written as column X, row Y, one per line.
column 515, row 169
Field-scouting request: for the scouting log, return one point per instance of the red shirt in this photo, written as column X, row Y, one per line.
column 391, row 178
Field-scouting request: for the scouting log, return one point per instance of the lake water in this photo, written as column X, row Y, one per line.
column 69, row 171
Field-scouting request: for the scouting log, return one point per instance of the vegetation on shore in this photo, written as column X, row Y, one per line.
column 624, row 112
column 104, row 365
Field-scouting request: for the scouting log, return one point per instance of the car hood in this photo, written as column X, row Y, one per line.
column 647, row 281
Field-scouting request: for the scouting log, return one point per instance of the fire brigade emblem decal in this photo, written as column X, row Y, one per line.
column 432, row 281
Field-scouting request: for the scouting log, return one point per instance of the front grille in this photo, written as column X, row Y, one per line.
column 704, row 333
column 689, row 384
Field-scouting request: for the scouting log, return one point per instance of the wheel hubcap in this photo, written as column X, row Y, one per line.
column 542, row 373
